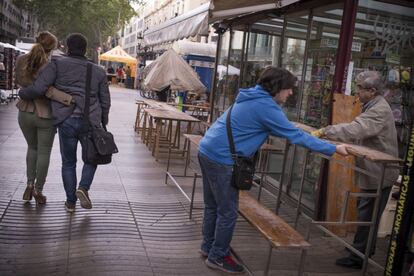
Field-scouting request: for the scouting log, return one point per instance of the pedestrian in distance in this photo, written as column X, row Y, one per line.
column 128, row 74
column 110, row 70
column 69, row 74
column 373, row 128
column 119, row 74
column 256, row 114
column 35, row 115
column 123, row 75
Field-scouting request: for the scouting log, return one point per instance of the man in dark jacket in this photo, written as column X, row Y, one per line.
column 69, row 75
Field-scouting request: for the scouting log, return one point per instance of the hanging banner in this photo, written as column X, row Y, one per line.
column 403, row 216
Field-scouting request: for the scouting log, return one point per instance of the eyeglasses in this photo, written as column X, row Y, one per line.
column 360, row 87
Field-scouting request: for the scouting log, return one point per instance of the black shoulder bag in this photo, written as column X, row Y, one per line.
column 243, row 168
column 98, row 144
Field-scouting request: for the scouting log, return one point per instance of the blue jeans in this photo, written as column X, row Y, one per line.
column 69, row 132
column 221, row 203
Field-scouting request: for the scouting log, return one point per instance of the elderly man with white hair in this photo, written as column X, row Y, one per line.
column 373, row 128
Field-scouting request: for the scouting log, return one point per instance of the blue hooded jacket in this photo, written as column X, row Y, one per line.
column 254, row 117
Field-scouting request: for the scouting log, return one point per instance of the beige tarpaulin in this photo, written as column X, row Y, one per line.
column 118, row 54
column 171, row 70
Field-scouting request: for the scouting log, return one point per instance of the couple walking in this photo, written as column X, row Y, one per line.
column 53, row 97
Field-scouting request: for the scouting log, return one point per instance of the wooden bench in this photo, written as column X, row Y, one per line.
column 271, row 226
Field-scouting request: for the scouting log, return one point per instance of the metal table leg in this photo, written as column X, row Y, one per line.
column 282, row 177
column 269, row 258
column 192, row 195
column 302, row 181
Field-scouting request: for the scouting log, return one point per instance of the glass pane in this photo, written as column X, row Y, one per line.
column 294, row 44
column 384, row 41
column 314, row 108
column 323, row 46
column 220, row 99
column 228, row 71
column 262, row 49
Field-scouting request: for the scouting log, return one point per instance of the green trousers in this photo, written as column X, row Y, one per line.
column 39, row 134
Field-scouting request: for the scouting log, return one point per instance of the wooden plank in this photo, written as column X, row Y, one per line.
column 272, row 227
column 345, row 108
column 357, row 150
column 170, row 115
column 370, row 154
column 156, row 104
column 269, row 147
column 304, row 127
column 340, row 179
column 190, row 106
column 194, row 139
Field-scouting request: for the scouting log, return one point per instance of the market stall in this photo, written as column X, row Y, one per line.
column 118, row 54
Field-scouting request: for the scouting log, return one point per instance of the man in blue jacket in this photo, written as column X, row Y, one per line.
column 256, row 114
column 69, row 75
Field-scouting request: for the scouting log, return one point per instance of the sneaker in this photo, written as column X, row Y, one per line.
column 349, row 262
column 203, row 253
column 82, row 195
column 70, row 206
column 226, row 264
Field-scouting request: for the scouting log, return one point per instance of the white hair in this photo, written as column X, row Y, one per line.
column 370, row 80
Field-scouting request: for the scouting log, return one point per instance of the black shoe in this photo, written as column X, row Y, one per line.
column 82, row 195
column 203, row 253
column 226, row 264
column 349, row 262
column 70, row 206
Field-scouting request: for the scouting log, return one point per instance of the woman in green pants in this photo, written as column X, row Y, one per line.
column 35, row 117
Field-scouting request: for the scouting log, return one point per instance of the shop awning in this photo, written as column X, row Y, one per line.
column 222, row 9
column 183, row 47
column 7, row 45
column 118, row 54
column 194, row 22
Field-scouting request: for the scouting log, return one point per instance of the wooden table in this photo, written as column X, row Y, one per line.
column 140, row 118
column 111, row 78
column 166, row 117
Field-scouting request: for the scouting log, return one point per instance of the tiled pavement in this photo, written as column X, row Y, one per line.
column 138, row 225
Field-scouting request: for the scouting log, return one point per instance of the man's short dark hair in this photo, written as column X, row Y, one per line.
column 274, row 79
column 76, row 44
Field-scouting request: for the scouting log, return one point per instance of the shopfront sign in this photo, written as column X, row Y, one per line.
column 333, row 43
column 391, row 57
column 200, row 63
column 403, row 216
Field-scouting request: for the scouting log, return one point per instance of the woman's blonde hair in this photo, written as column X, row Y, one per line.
column 39, row 54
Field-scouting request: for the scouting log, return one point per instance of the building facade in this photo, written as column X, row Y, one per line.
column 153, row 14
column 15, row 22
column 131, row 36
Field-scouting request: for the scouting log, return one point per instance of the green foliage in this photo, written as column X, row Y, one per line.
column 96, row 19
